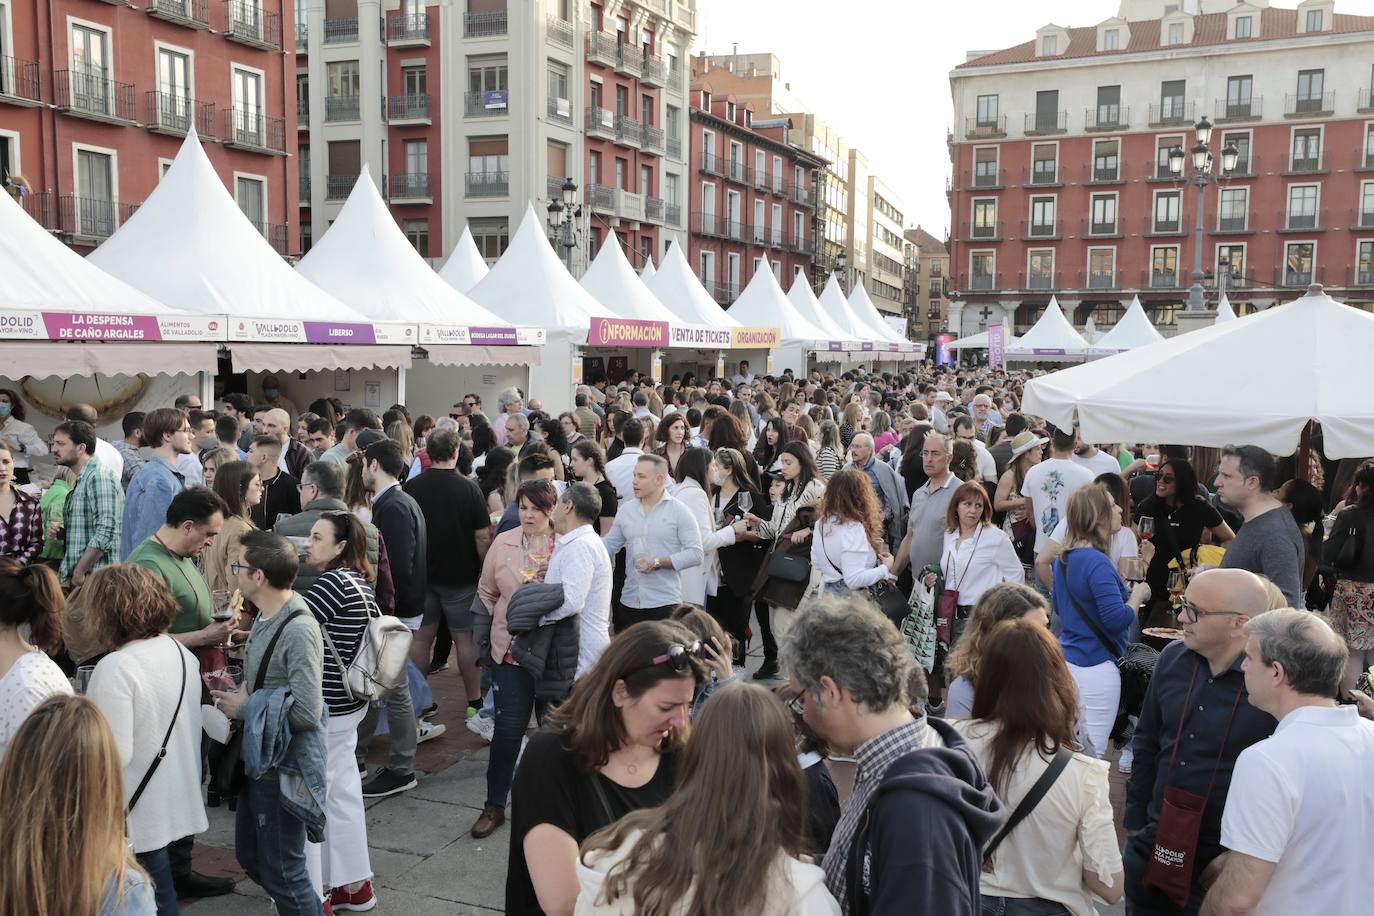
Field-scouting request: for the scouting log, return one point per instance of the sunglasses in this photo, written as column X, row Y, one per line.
column 456, row 416
column 678, row 657
column 1192, row 611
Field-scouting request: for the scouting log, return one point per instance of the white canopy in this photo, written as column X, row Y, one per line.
column 762, row 304
column 530, row 286
column 1051, row 338
column 679, row 289
column 1090, row 331
column 806, row 303
column 1256, row 382
column 465, row 266
column 614, row 283
column 39, row 272
column 366, row 262
column 191, row 247
column 1133, row 330
column 834, row 304
column 864, row 309
column 1224, row 311
column 647, row 271
column 977, row 341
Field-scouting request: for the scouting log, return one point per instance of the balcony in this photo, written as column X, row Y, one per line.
column 1363, row 160
column 1360, row 277
column 983, row 282
column 402, row 110
column 19, row 83
column 249, row 129
column 407, row 30
column 1171, row 113
column 305, row 190
column 801, row 244
column 616, row 202
column 1036, row 281
column 736, row 170
column 1101, row 174
column 1303, row 164
column 175, row 115
column 560, row 32
column 975, row 129
column 601, row 198
column 91, row 219
column 713, row 225
column 653, row 139
column 725, row 293
column 342, row 108
column 246, row 22
column 302, row 112
column 1315, row 221
column 1042, row 230
column 802, row 196
column 554, row 187
column 600, row 122
column 602, row 49
column 1098, row 279
column 485, row 184
column 655, row 71
column 985, row 180
column 988, row 232
column 560, row 111
column 91, row 95
column 1160, row 279
column 1100, row 229
column 629, row 60
column 490, row 24
column 674, row 147
column 490, row 104
column 1234, row 225
column 340, row 30
column 194, row 14
column 1362, row 219
column 1289, row 277
column 338, row 187
column 712, row 164
column 761, row 179
column 1152, row 226
column 1107, row 117
column 672, row 214
column 628, row 131
column 653, row 209
column 275, row 233
column 1041, row 124
column 1246, row 167
column 1229, row 112
column 1042, row 174
column 1309, row 106
column 302, row 37
column 677, row 80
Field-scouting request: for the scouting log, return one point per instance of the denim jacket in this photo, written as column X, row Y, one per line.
column 299, row 759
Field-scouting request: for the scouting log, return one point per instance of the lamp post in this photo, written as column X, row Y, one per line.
column 1202, row 176
column 841, row 271
column 562, row 216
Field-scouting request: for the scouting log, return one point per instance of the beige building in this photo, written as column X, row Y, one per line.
column 927, row 284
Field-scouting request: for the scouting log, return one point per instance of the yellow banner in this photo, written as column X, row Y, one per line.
column 754, row 338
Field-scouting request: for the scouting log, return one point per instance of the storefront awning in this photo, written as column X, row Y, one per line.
column 249, row 357
column 65, row 360
column 474, row 355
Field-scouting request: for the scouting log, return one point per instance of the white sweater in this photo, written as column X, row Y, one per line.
column 136, row 687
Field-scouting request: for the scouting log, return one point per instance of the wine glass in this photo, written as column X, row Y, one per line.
column 221, row 611
column 1178, row 581
column 1147, row 528
column 1132, row 569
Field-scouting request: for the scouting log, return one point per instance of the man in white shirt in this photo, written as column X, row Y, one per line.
column 620, row 470
column 1095, row 460
column 1299, row 813
column 583, row 567
column 743, row 376
column 1050, row 483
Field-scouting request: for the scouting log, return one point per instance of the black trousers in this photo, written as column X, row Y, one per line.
column 770, row 645
column 731, row 611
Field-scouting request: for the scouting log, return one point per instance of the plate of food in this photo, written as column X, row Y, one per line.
column 1169, row 633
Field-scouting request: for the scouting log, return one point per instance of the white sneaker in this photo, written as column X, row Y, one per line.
column 427, row 730
column 483, row 727
column 1123, row 763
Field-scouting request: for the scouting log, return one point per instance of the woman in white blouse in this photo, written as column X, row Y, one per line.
column 22, row 440
column 1025, row 708
column 848, row 544
column 30, row 627
column 976, row 554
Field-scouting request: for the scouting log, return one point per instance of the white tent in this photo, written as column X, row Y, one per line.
column 1224, row 311
column 366, row 262
column 806, row 303
column 1132, row 331
column 465, row 266
column 835, row 305
column 977, row 341
column 679, row 289
column 864, row 309
column 1257, row 381
column 1051, row 339
column 1090, row 331
column 763, row 304
column 647, row 272
column 191, row 247
column 614, row 283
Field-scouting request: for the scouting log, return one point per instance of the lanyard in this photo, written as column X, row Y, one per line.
column 1183, row 717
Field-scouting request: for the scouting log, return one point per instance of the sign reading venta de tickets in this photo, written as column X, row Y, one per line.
column 112, row 326
column 630, row 332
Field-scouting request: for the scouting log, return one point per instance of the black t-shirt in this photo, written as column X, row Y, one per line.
column 454, row 511
column 550, row 788
column 610, row 502
column 1176, row 530
column 279, row 495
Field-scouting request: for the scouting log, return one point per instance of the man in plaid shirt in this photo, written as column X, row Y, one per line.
column 95, row 508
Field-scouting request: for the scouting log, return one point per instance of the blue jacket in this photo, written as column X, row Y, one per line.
column 299, row 759
column 149, row 494
column 1087, row 576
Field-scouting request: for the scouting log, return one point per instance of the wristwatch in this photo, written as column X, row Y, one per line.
column 656, row 563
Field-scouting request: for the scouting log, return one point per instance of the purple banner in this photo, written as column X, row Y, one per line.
column 329, row 332
column 997, row 346
column 100, row 326
column 1048, row 351
column 867, row 346
column 834, row 345
column 500, row 337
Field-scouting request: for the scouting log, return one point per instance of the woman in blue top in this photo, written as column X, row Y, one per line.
column 1088, row 593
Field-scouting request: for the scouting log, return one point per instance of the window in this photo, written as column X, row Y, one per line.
column 1302, row 206
column 1238, row 90
column 1171, row 100
column 985, row 218
column 1042, row 216
column 1103, row 214
column 1164, row 266
column 307, row 236
column 1314, row 20
column 672, row 126
column 622, row 101
column 1364, row 266
column 1167, row 211
column 671, row 194
column 1231, row 263
column 777, row 174
column 1106, row 160
column 776, row 234
column 303, row 97
column 492, row 235
column 1241, row 141
column 732, row 268
column 985, row 167
column 798, row 228
column 173, row 89
column 646, row 249
column 344, row 78
column 620, row 166
column 1297, row 263
column 987, row 111
column 760, row 168
column 487, row 77
column 415, row 80
column 1163, row 145
column 1111, row 40
column 247, row 116
column 706, row 268
column 1040, row 268
column 1175, row 33
column 708, row 149
column 736, row 160
column 732, row 213
column 1049, row 45
column 95, row 209
column 417, row 157
column 1244, row 26
column 1366, row 204
column 1310, row 85
column 417, row 234
column 646, row 113
column 982, row 268
column 251, row 196
column 1369, row 145
column 760, row 222
column 1108, row 105
column 556, row 155
column 1307, row 150
column 646, row 180
column 1101, row 268
column 1044, row 163
column 90, row 70
column 1232, row 209
column 558, row 86
column 1047, row 110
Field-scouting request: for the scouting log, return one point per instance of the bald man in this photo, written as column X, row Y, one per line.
column 295, row 456
column 1198, row 681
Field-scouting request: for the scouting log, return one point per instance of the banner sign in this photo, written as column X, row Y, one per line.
column 684, row 335
column 494, row 99
column 834, row 346
column 492, row 337
column 111, row 326
column 943, row 355
column 627, row 332
column 997, row 345
column 754, row 338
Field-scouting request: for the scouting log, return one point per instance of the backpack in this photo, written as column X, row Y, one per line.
column 379, row 665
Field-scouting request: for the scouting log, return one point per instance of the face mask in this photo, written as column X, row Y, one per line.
column 5, row 410
column 271, row 393
column 718, row 480
column 208, row 442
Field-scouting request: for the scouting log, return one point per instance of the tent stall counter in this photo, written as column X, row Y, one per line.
column 703, row 334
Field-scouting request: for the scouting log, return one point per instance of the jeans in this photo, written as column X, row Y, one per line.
column 1021, row 906
column 401, row 731
column 270, row 845
column 513, row 689
column 159, row 868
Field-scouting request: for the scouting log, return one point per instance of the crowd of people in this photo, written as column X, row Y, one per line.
column 977, row 610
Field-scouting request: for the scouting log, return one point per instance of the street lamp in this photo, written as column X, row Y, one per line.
column 1202, row 176
column 563, row 214
column 840, row 262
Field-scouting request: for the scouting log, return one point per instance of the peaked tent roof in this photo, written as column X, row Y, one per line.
column 1133, row 330
column 835, row 305
column 1090, row 331
column 864, row 309
column 366, row 262
column 806, row 303
column 191, row 247
column 465, row 266
column 679, row 289
column 762, row 304
column 614, row 283
column 647, row 271
column 1052, row 335
column 39, row 272
column 530, row 286
column 977, row 341
column 1224, row 311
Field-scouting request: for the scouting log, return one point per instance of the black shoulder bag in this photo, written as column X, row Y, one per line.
column 162, row 751
column 1028, row 803
column 889, row 599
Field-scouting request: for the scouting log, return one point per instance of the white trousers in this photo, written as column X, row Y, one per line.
column 1099, row 695
column 342, row 858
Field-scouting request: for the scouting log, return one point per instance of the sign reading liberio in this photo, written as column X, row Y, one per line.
column 627, row 332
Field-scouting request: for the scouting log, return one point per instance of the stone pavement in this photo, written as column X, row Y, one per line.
column 425, row 861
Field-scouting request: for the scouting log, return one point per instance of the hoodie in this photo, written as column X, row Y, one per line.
column 919, row 847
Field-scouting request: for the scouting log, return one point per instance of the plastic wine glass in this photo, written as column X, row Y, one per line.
column 1178, row 581
column 1147, row 528
column 744, row 500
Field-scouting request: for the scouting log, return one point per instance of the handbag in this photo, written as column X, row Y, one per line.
column 162, row 751
column 947, row 605
column 1348, row 557
column 1027, row 804
column 379, row 664
column 885, row 594
column 1172, row 861
column 229, row 777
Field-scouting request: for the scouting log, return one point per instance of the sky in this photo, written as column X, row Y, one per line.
column 878, row 70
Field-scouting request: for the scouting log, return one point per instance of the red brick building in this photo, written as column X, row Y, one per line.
column 95, row 98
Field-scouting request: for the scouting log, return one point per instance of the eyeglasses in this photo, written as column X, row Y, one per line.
column 236, row 567
column 1163, row 479
column 1187, row 609
column 185, row 429
column 456, row 416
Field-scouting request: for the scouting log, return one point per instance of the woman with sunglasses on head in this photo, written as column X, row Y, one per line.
column 611, row 748
column 667, row 860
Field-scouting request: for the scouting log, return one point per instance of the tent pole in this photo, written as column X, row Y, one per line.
column 1304, row 469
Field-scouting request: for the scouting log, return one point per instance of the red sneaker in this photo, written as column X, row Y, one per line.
column 359, row 901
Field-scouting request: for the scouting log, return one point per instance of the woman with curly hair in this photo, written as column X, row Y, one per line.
column 848, row 545
column 671, row 437
column 1007, row 601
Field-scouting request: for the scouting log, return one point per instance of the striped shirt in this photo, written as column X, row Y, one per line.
column 342, row 612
